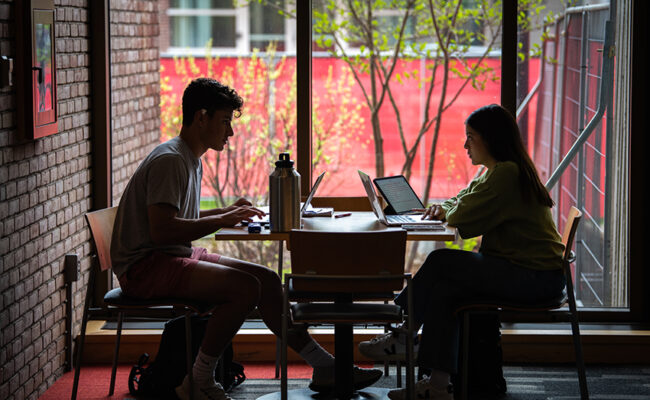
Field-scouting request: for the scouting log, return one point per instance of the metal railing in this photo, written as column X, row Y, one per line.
column 606, row 86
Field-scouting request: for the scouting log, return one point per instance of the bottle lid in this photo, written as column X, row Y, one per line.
column 284, row 161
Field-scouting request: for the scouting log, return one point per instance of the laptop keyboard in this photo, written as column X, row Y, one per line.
column 401, row 219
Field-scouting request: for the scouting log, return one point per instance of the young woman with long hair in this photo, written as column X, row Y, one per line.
column 520, row 258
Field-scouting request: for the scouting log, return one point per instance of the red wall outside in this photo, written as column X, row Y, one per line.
column 449, row 176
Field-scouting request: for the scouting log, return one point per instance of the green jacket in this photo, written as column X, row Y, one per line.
column 492, row 206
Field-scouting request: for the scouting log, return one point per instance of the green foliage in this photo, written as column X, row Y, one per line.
column 376, row 37
column 266, row 127
column 463, row 244
column 389, row 34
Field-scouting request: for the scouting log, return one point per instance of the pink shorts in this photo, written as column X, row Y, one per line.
column 163, row 275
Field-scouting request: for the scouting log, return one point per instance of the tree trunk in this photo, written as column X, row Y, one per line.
column 379, row 145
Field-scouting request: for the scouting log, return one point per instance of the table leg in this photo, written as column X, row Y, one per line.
column 277, row 342
column 343, row 349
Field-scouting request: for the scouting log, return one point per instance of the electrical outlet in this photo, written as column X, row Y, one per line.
column 6, row 71
column 71, row 268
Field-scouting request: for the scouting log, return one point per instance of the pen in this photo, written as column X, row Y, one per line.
column 342, row 215
column 418, row 209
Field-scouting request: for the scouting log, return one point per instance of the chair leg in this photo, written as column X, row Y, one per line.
column 80, row 349
column 465, row 358
column 116, row 353
column 410, row 367
column 82, row 338
column 221, row 368
column 580, row 361
column 278, row 350
column 189, row 360
column 398, row 373
column 386, row 363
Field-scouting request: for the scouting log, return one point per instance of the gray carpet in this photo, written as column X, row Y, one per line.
column 524, row 383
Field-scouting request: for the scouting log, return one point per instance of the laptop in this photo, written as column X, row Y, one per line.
column 399, row 194
column 392, row 220
column 306, row 210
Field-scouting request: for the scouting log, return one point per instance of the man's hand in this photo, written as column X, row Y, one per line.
column 240, row 202
column 435, row 212
column 238, row 214
column 166, row 228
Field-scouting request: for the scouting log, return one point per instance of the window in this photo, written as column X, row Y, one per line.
column 568, row 86
column 232, row 27
column 245, row 47
column 407, row 80
column 389, row 92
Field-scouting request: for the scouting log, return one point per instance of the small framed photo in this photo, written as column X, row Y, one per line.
column 36, row 73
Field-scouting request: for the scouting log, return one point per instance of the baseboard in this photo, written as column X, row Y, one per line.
column 610, row 345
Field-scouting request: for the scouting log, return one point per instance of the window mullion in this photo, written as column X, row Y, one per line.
column 303, row 67
column 509, row 56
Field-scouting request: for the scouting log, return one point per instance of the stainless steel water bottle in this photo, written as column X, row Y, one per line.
column 284, row 196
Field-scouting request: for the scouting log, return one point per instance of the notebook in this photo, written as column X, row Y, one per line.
column 307, row 210
column 391, row 220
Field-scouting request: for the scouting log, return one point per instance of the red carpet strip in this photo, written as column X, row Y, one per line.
column 95, row 380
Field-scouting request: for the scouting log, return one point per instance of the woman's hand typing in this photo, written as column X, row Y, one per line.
column 435, row 212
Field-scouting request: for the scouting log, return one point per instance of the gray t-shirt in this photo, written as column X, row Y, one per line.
column 170, row 174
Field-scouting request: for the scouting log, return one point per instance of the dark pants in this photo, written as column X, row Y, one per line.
column 449, row 278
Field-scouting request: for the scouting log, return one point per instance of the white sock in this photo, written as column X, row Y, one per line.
column 203, row 369
column 316, row 356
column 439, row 379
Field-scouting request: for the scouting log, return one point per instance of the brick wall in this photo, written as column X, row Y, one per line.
column 45, row 184
column 135, row 82
column 163, row 20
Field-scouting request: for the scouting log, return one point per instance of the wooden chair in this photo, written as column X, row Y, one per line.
column 334, row 278
column 116, row 303
column 553, row 310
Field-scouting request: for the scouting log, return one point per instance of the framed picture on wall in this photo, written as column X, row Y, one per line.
column 36, row 72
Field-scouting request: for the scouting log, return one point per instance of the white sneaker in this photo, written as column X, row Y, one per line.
column 207, row 391
column 424, row 390
column 322, row 379
column 390, row 346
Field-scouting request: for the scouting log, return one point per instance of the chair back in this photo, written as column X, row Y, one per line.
column 348, row 254
column 570, row 230
column 101, row 228
column 568, row 235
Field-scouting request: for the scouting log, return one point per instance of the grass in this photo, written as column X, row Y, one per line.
column 207, row 204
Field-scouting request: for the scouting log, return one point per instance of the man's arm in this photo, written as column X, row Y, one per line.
column 166, row 228
column 217, row 211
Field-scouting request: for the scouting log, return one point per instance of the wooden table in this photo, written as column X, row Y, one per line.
column 356, row 222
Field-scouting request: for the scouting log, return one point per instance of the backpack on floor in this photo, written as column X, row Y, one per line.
column 485, row 359
column 166, row 372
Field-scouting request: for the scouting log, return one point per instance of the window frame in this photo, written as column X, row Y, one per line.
column 242, row 28
column 639, row 309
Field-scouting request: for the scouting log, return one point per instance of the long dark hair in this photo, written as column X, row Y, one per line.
column 499, row 130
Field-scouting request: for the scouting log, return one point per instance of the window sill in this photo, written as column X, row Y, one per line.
column 522, row 343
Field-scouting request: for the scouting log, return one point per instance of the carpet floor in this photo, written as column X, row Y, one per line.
column 524, row 382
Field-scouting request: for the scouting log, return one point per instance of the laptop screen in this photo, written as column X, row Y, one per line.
column 398, row 193
column 312, row 193
column 372, row 196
